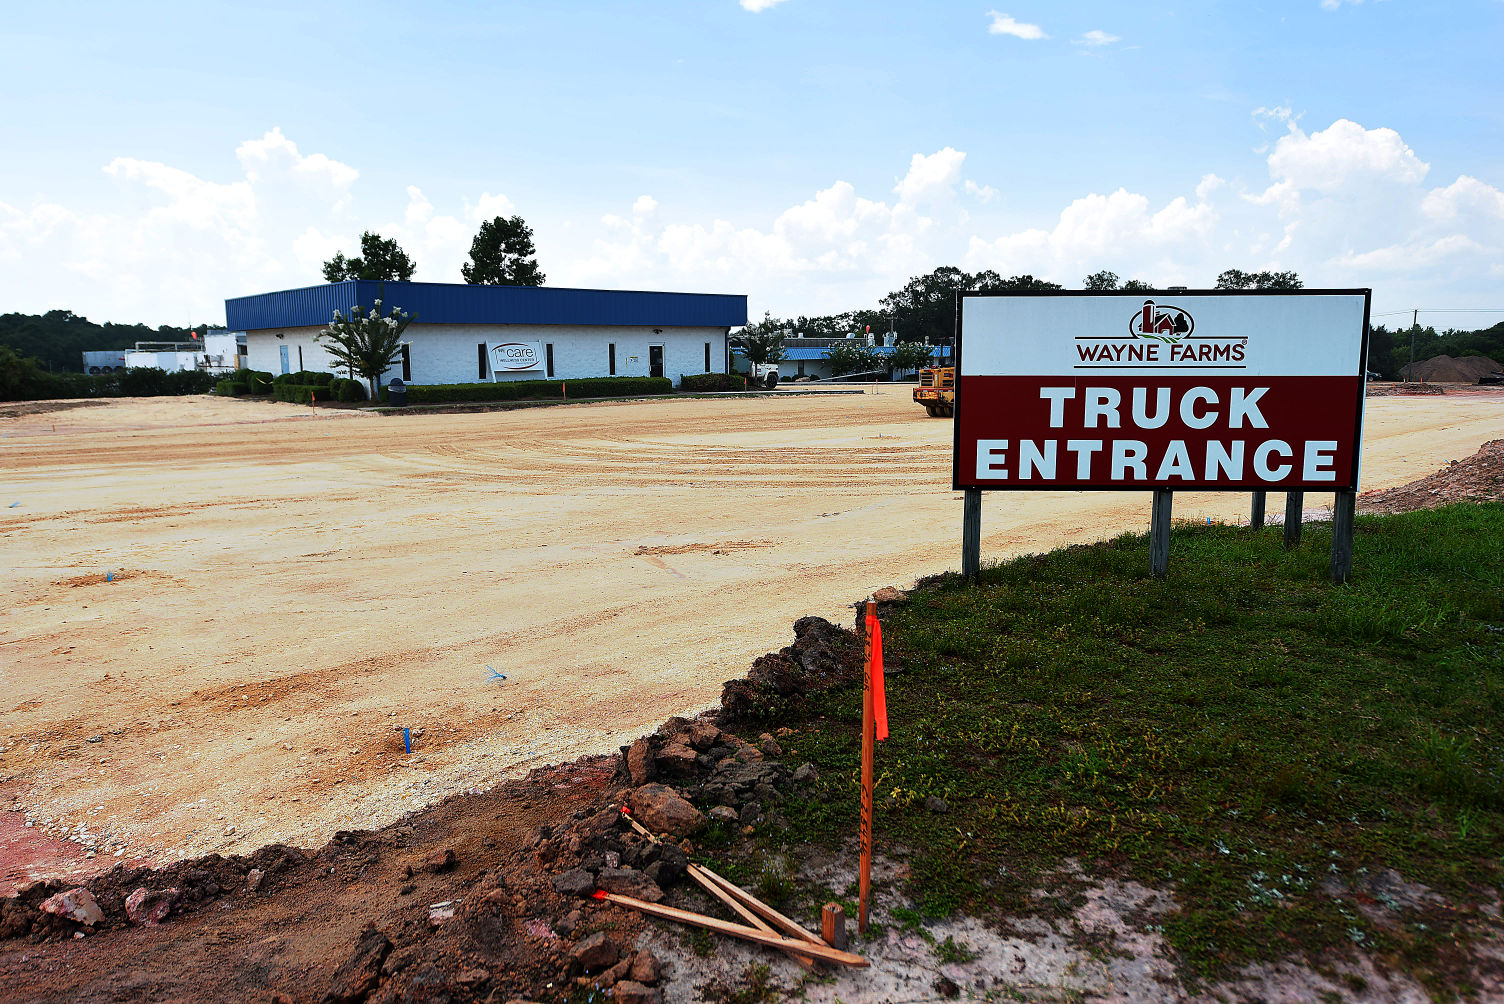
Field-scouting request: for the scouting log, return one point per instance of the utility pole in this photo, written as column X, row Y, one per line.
column 1414, row 323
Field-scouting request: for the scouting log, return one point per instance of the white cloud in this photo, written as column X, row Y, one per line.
column 1342, row 153
column 1097, row 37
column 1005, row 24
column 1335, row 4
column 489, row 206
column 644, row 205
column 1465, row 195
column 984, row 192
column 758, row 6
column 930, row 176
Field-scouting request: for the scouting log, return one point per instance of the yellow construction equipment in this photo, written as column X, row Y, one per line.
column 937, row 391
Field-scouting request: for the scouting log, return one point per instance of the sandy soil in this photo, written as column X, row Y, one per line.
column 221, row 613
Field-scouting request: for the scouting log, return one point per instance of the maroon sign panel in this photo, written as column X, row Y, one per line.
column 1197, row 390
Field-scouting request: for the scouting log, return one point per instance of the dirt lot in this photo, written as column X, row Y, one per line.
column 221, row 613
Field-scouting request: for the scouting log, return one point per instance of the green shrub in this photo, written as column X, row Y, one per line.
column 703, row 382
column 347, row 391
column 256, row 381
column 229, row 388
column 536, row 390
column 299, row 393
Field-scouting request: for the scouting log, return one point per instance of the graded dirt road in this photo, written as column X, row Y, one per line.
column 220, row 614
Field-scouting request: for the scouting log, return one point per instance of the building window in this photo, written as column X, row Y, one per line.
column 707, row 357
column 407, row 363
column 480, row 356
column 548, row 352
column 611, row 357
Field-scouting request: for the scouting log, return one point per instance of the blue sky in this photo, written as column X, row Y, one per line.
column 811, row 154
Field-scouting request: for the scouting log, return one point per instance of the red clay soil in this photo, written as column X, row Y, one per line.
column 1479, row 478
column 304, row 934
column 1445, row 369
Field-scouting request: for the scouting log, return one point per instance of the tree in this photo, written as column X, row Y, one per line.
column 1109, row 280
column 854, row 355
column 502, row 254
column 1237, row 279
column 909, row 356
column 380, row 258
column 762, row 346
column 366, row 344
column 925, row 308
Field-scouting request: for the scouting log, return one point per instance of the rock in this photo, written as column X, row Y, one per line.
column 75, row 904
column 673, row 726
column 769, row 745
column 646, row 968
column 822, row 655
column 806, row 774
column 640, row 768
column 360, row 973
column 96, row 739
column 889, row 594
column 750, row 812
column 702, row 735
column 473, row 978
column 632, row 992
column 596, row 953
column 766, row 793
column 575, row 882
column 749, row 754
column 724, row 814
column 629, row 882
column 676, row 759
column 615, row 974
column 936, row 804
column 407, row 889
column 253, row 879
column 149, row 907
column 441, row 861
column 438, row 913
column 566, row 924
column 662, row 810
column 613, row 859
column 401, row 959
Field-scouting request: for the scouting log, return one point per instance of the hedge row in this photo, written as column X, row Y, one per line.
column 337, row 389
column 23, row 379
column 702, row 382
column 536, row 390
column 245, row 382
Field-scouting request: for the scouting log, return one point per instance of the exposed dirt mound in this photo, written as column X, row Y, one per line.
column 1445, row 369
column 1479, row 478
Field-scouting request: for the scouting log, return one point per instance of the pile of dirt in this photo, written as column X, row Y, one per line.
column 1445, row 369
column 483, row 897
column 1479, row 478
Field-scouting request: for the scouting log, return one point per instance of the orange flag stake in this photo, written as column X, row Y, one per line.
column 874, row 726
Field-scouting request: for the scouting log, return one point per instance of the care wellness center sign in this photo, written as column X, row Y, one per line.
column 1205, row 389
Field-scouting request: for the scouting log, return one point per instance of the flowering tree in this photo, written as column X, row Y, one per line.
column 365, row 344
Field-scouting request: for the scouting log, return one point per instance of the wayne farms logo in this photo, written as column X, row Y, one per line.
column 1157, row 334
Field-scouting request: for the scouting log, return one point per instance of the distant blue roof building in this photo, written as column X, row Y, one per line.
column 460, row 303
column 465, row 334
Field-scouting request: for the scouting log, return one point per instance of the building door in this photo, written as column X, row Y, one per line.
column 407, row 363
column 655, row 360
column 285, row 367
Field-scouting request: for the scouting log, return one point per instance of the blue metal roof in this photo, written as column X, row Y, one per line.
column 455, row 303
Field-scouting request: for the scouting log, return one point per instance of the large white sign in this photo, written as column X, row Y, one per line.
column 1169, row 389
column 507, row 357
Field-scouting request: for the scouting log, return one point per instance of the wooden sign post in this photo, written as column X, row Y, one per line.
column 1159, row 534
column 1342, row 535
column 971, row 535
column 864, row 878
column 1295, row 507
column 1259, row 500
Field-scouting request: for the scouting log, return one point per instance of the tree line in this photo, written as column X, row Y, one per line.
column 58, row 338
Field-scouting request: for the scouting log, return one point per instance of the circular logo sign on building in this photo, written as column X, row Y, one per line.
column 507, row 356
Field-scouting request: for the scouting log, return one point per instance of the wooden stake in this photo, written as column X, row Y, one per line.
column 789, row 927
column 1294, row 508
column 821, row 951
column 1342, row 536
column 971, row 534
column 864, row 877
column 743, row 902
column 1159, row 533
column 833, row 925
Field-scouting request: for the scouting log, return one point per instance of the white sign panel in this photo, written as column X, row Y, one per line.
column 510, row 357
column 1209, row 390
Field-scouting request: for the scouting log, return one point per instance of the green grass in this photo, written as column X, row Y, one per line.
column 1244, row 733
